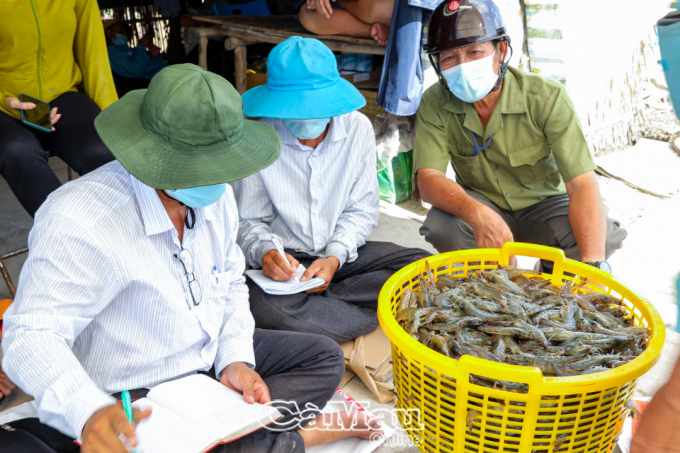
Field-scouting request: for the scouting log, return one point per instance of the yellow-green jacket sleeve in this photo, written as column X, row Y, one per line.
column 4, row 107
column 91, row 55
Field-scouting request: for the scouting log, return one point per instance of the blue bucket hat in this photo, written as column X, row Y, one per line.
column 303, row 84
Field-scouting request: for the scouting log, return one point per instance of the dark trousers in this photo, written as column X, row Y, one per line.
column 23, row 162
column 545, row 223
column 302, row 372
column 348, row 307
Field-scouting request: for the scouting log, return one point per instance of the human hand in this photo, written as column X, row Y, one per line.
column 102, row 431
column 14, row 103
column 154, row 50
column 490, row 229
column 242, row 379
column 276, row 268
column 323, row 7
column 324, row 269
column 658, row 430
column 146, row 40
column 6, row 385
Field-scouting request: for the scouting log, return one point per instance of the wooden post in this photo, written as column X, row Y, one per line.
column 203, row 33
column 241, row 66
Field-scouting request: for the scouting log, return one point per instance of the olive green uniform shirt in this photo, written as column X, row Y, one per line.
column 537, row 142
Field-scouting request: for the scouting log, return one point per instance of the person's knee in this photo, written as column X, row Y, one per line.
column 334, row 357
column 615, row 237
column 447, row 232
column 17, row 151
column 309, row 19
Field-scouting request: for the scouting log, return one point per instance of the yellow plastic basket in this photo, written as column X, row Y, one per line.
column 558, row 414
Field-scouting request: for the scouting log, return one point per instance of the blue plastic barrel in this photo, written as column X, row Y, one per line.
column 668, row 29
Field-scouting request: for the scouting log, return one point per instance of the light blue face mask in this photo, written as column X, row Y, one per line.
column 471, row 81
column 307, row 129
column 198, row 197
column 120, row 40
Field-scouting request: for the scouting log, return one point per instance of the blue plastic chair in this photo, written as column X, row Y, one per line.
column 256, row 8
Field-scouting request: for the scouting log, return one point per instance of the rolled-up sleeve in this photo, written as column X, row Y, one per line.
column 565, row 136
column 235, row 342
column 432, row 149
column 54, row 304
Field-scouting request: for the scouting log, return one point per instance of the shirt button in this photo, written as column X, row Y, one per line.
column 507, row 195
column 495, row 167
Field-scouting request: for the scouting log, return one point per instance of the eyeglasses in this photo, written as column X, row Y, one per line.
column 184, row 256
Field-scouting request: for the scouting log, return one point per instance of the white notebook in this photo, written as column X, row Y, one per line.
column 193, row 414
column 270, row 286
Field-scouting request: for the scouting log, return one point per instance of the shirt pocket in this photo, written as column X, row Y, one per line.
column 532, row 163
column 468, row 170
column 218, row 286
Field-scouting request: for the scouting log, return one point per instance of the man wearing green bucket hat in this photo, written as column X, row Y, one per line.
column 319, row 201
column 134, row 278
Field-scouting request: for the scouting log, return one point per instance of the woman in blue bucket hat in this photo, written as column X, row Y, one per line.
column 319, row 201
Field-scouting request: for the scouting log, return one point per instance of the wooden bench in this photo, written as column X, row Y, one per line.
column 243, row 30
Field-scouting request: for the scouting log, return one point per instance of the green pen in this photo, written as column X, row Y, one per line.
column 127, row 406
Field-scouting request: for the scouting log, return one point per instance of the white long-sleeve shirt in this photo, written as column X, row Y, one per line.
column 103, row 305
column 323, row 201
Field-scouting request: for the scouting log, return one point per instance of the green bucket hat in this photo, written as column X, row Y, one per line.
column 186, row 130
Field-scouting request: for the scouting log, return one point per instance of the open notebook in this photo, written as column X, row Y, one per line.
column 193, row 414
column 270, row 286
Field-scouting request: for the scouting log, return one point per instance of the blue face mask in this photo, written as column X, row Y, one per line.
column 307, row 129
column 198, row 197
column 120, row 40
column 471, row 81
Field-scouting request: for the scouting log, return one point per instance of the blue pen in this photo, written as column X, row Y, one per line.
column 217, row 281
column 127, row 406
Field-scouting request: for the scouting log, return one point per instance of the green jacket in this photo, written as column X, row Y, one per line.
column 50, row 47
column 536, row 141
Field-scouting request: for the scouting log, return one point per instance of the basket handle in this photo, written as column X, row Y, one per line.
column 533, row 250
column 520, row 374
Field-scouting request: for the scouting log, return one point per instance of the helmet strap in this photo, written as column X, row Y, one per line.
column 437, row 68
column 504, row 69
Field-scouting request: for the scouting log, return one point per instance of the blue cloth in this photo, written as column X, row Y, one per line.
column 401, row 84
column 322, row 201
column 303, row 83
column 134, row 63
column 425, row 4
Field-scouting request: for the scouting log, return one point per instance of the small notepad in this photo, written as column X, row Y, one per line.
column 270, row 286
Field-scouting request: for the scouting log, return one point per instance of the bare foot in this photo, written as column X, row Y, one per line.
column 379, row 32
column 326, row 428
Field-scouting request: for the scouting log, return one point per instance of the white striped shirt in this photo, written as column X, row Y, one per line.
column 323, row 201
column 103, row 304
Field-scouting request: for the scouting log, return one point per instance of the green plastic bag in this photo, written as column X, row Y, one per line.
column 395, row 178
